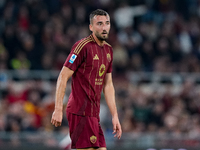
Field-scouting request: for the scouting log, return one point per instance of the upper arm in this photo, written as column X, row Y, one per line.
column 65, row 73
column 108, row 80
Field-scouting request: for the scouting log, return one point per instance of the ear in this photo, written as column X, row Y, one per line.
column 91, row 27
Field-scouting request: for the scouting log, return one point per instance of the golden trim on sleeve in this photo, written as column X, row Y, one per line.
column 81, row 44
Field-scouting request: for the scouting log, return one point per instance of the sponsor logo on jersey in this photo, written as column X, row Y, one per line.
column 96, row 57
column 98, row 81
column 93, row 139
column 72, row 59
column 102, row 69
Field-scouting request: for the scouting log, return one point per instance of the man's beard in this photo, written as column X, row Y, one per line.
column 101, row 38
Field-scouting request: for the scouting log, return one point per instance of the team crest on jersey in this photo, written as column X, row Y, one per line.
column 72, row 59
column 108, row 57
column 102, row 69
column 93, row 139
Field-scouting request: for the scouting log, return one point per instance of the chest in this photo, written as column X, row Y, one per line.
column 98, row 59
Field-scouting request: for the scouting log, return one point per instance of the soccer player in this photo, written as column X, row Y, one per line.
column 90, row 65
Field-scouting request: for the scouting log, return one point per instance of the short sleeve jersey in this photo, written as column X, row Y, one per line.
column 90, row 63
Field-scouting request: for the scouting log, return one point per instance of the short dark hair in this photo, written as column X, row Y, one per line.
column 98, row 12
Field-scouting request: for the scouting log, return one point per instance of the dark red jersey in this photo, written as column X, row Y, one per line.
column 90, row 63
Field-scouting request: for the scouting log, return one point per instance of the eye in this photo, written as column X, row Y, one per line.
column 107, row 23
column 99, row 23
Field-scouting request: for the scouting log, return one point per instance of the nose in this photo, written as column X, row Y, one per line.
column 104, row 27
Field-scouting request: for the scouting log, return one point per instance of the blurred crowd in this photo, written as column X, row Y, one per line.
column 146, row 35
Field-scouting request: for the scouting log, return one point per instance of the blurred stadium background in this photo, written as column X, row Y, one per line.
column 156, row 71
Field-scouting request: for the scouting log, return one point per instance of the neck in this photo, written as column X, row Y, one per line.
column 100, row 43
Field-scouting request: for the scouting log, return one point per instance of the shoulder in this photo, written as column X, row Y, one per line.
column 79, row 45
column 107, row 44
column 108, row 47
column 85, row 40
